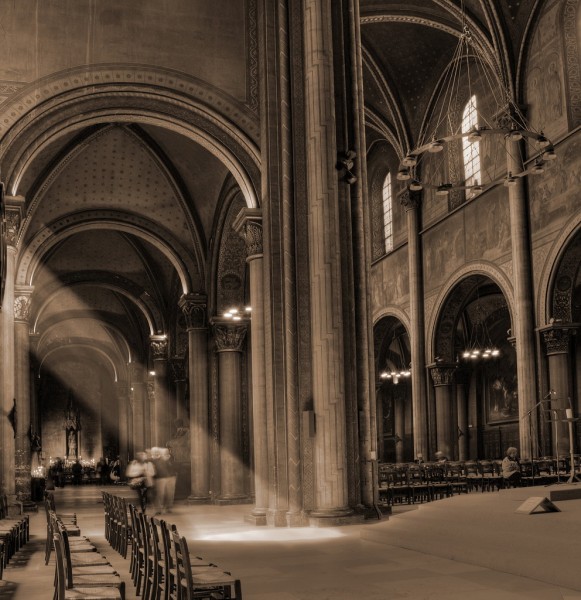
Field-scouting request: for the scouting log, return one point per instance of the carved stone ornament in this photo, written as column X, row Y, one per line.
column 159, row 349
column 22, row 308
column 195, row 311
column 443, row 374
column 252, row 235
column 557, row 339
column 229, row 337
column 411, row 200
column 13, row 220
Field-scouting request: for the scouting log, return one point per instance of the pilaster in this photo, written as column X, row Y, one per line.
column 446, row 428
column 22, row 455
column 160, row 413
column 229, row 339
column 412, row 202
column 557, row 339
column 195, row 310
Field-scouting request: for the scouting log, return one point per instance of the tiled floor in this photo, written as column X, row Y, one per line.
column 283, row 564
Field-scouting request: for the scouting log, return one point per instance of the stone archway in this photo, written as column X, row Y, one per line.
column 476, row 393
column 392, row 352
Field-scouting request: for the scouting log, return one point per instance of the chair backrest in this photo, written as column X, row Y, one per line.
column 60, row 567
column 182, row 565
column 64, row 538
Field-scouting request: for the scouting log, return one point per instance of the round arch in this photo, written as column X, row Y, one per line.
column 441, row 320
column 107, row 360
column 154, row 320
column 66, row 226
column 78, row 98
column 555, row 286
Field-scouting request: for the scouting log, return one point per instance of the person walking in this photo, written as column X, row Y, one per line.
column 140, row 474
column 165, row 480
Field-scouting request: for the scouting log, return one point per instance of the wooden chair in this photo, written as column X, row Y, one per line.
column 491, row 477
column 171, row 584
column 140, row 550
column 398, row 487
column 420, row 488
column 204, row 582
column 68, row 591
column 456, row 477
column 473, row 475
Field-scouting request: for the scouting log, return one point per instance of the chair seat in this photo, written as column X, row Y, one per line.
column 98, row 579
column 95, row 593
column 94, row 570
column 212, row 576
column 86, row 559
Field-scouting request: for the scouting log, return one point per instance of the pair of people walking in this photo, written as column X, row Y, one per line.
column 155, row 470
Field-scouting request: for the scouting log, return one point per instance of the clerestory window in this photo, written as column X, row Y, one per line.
column 387, row 213
column 471, row 147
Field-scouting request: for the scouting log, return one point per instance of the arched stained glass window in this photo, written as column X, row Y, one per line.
column 471, row 148
column 387, row 213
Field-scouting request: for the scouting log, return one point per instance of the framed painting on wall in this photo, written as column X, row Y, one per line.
column 502, row 398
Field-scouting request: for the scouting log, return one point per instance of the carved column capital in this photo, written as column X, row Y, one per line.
column 195, row 309
column 442, row 374
column 13, row 211
column 557, row 337
column 248, row 224
column 159, row 346
column 411, row 200
column 22, row 303
column 229, row 337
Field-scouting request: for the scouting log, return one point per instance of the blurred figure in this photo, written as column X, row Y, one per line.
column 140, row 473
column 77, row 471
column 102, row 471
column 441, row 457
column 165, row 479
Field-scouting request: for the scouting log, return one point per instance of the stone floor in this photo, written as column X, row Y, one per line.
column 282, row 564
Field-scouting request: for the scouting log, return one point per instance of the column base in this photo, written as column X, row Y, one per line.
column 256, row 517
column 296, row 519
column 227, row 500
column 334, row 517
column 276, row 518
column 199, row 500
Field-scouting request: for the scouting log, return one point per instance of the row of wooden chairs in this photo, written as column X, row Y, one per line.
column 161, row 566
column 413, row 483
column 14, row 531
column 118, row 531
column 81, row 572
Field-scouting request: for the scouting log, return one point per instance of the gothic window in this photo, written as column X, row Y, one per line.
column 470, row 148
column 387, row 214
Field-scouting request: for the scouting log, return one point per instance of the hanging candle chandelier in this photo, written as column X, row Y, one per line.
column 474, row 117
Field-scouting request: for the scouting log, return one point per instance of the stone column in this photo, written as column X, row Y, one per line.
column 160, row 412
column 399, row 428
column 249, row 225
column 325, row 269
column 8, row 367
column 557, row 339
column 229, row 338
column 122, row 391
column 194, row 307
column 139, row 398
column 412, row 202
column 178, row 372
column 462, row 412
column 523, row 297
column 446, row 428
column 22, row 302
